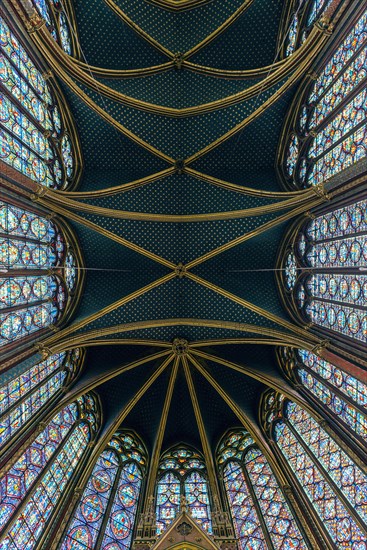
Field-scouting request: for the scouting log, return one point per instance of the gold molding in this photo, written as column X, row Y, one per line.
column 152, row 475
column 213, row 480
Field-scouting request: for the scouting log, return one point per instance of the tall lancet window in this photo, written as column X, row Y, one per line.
column 38, row 272
column 27, row 392
column 332, row 483
column 328, row 132
column 57, row 19
column 35, row 130
column 105, row 516
column 323, row 278
column 301, row 16
column 343, row 395
column 32, row 489
column 182, row 473
column 259, row 510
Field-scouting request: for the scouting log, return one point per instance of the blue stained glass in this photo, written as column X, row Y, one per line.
column 292, row 36
column 352, row 417
column 30, row 524
column 63, row 37
column 342, row 528
column 23, row 475
column 26, row 101
column 24, row 395
column 30, row 303
column 351, row 481
column 105, row 514
column 245, row 519
column 261, row 484
column 339, row 134
column 197, row 498
column 318, row 7
column 88, row 517
column 40, row 476
column 281, row 526
column 120, row 525
column 332, row 298
column 168, row 500
column 353, row 388
column 64, row 34
column 354, row 40
column 187, row 479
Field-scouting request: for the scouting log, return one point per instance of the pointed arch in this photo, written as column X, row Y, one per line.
column 35, row 485
column 182, row 478
column 59, row 20
column 325, row 132
column 299, row 18
column 29, row 391
column 261, row 515
column 37, row 134
column 338, row 393
column 322, row 263
column 332, row 483
column 106, row 513
column 41, row 273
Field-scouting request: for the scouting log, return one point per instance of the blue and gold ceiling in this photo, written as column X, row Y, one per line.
column 205, row 53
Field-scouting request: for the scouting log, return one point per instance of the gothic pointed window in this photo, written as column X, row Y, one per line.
column 343, row 395
column 38, row 272
column 302, row 16
column 34, row 486
column 330, row 132
column 181, row 474
column 331, row 481
column 323, row 275
column 26, row 393
column 56, row 18
column 35, row 131
column 259, row 510
column 105, row 516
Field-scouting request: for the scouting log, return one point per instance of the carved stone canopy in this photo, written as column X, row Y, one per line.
column 185, row 534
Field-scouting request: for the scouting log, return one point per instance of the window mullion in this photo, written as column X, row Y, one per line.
column 17, row 512
column 257, row 508
column 332, row 388
column 328, row 478
column 111, row 500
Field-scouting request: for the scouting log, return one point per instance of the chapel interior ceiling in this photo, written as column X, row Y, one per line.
column 218, row 287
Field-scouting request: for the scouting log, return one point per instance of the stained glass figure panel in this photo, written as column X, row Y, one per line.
column 332, row 118
column 246, row 522
column 86, row 523
column 282, row 528
column 197, row 498
column 29, row 116
column 120, row 525
column 168, row 500
column 335, row 517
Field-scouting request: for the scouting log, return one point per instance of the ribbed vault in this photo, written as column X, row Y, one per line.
column 179, row 107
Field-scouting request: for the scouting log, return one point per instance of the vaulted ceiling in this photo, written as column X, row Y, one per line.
column 248, row 158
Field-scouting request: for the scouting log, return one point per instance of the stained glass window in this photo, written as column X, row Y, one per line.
column 38, row 479
column 24, row 395
column 28, row 304
column 106, row 513
column 334, row 296
column 341, row 393
column 56, row 20
column 33, row 139
column 182, row 473
column 331, row 481
column 332, row 120
column 258, row 507
column 302, row 18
